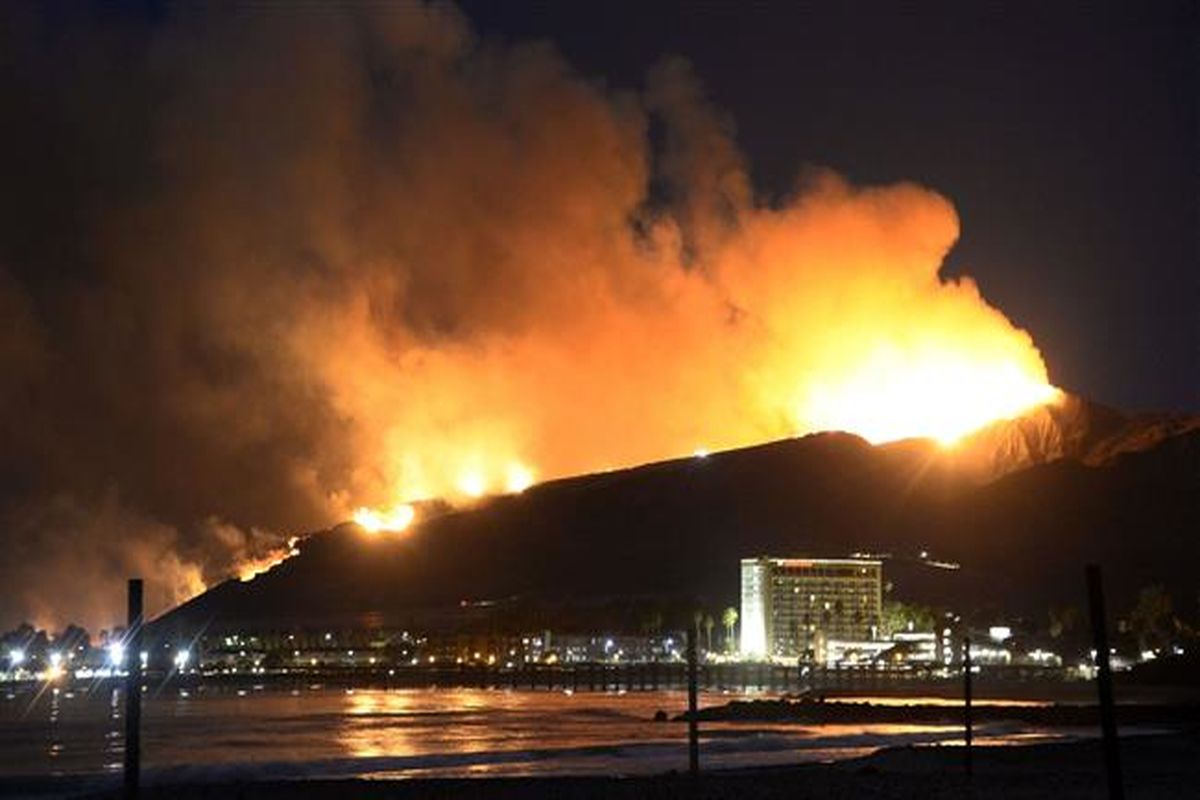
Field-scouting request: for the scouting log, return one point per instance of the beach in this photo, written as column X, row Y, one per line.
column 1155, row 766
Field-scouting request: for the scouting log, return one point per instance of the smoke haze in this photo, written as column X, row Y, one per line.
column 261, row 267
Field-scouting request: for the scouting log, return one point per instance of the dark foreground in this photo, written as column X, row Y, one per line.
column 1155, row 766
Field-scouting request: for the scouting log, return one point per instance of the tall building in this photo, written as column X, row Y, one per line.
column 792, row 606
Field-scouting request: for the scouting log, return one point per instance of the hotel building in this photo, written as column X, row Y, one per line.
column 791, row 607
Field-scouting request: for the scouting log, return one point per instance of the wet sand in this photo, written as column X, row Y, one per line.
column 1155, row 766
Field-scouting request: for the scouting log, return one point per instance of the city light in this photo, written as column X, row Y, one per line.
column 16, row 657
column 116, row 654
column 181, row 659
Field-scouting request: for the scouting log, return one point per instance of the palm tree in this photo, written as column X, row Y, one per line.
column 730, row 618
column 1153, row 618
column 708, row 626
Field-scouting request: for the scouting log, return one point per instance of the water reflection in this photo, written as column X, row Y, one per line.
column 410, row 732
column 363, row 737
column 114, row 739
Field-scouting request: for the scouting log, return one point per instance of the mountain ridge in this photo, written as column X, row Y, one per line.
column 1020, row 505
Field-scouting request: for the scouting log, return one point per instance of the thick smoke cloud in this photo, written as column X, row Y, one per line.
column 259, row 267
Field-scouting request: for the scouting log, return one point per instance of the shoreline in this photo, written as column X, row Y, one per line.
column 1155, row 766
column 836, row 711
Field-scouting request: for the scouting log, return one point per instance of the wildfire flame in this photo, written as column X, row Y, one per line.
column 394, row 519
column 254, row 567
column 940, row 396
column 518, row 478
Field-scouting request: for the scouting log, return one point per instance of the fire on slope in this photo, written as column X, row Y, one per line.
column 253, row 567
column 943, row 402
column 830, row 314
column 944, row 388
column 941, row 394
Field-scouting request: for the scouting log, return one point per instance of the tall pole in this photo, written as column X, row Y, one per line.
column 133, row 691
column 693, row 732
column 1108, row 717
column 967, row 702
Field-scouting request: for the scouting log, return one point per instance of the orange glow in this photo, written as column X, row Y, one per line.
column 519, row 478
column 472, row 484
column 942, row 394
column 253, row 567
column 394, row 519
column 827, row 313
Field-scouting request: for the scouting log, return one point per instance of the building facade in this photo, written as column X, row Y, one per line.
column 792, row 606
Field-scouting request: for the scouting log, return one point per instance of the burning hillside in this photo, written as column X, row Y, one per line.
column 379, row 263
column 659, row 536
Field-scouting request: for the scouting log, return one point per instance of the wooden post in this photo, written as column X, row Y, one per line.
column 133, row 691
column 967, row 703
column 1108, row 718
column 693, row 730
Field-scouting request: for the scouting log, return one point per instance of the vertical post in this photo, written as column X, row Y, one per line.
column 693, row 732
column 1108, row 719
column 967, row 704
column 133, row 691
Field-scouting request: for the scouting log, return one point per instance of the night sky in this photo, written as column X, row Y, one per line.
column 1064, row 133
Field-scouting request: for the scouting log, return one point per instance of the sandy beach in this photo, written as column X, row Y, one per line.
column 1155, row 766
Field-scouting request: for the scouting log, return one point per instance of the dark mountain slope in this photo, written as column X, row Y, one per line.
column 673, row 532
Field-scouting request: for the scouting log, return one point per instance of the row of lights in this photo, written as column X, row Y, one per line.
column 116, row 658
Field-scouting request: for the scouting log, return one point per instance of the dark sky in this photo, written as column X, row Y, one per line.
column 1065, row 135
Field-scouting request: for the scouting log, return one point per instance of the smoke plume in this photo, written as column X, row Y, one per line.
column 260, row 267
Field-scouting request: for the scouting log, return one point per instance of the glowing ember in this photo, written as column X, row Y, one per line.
column 394, row 519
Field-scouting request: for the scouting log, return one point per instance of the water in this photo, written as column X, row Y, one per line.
column 208, row 733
